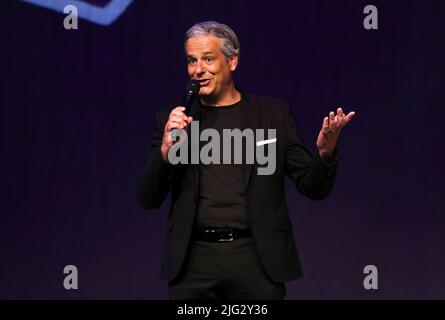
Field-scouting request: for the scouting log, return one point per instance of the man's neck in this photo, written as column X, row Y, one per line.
column 231, row 96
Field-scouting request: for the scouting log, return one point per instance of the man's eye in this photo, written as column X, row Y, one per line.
column 191, row 61
column 208, row 59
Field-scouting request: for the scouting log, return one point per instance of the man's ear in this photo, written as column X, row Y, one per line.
column 233, row 62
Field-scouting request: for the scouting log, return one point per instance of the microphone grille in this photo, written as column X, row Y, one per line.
column 193, row 86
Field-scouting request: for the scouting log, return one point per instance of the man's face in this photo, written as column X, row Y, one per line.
column 207, row 63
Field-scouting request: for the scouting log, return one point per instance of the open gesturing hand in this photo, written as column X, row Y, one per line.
column 329, row 133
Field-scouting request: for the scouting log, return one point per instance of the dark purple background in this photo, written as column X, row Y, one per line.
column 77, row 109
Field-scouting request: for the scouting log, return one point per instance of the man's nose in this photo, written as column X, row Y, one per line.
column 200, row 70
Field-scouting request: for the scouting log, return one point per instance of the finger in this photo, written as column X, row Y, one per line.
column 331, row 120
column 178, row 114
column 336, row 123
column 349, row 117
column 179, row 108
column 178, row 118
column 170, row 127
column 175, row 125
column 174, row 128
column 179, row 122
column 340, row 112
column 189, row 119
column 325, row 126
column 171, row 123
column 341, row 117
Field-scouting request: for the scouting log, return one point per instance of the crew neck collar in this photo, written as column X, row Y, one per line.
column 226, row 107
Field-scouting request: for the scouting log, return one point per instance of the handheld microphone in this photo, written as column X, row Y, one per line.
column 192, row 89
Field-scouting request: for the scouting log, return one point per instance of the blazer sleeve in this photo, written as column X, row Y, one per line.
column 156, row 180
column 311, row 178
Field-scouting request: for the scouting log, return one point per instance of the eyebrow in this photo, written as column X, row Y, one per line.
column 204, row 53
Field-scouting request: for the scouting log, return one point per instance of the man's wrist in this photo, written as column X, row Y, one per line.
column 164, row 154
column 327, row 158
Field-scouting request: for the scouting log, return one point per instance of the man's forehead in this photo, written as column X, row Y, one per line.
column 203, row 45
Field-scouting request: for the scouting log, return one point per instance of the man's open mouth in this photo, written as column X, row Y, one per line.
column 204, row 82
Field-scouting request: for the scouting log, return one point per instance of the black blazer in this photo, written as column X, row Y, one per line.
column 268, row 216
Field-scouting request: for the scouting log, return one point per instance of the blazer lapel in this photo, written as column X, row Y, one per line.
column 250, row 120
column 195, row 113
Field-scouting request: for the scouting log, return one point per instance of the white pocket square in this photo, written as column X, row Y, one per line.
column 263, row 142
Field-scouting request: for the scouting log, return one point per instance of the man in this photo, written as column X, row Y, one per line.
column 229, row 235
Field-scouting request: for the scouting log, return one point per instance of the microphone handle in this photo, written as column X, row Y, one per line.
column 187, row 103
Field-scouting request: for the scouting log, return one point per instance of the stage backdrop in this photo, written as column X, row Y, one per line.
column 78, row 106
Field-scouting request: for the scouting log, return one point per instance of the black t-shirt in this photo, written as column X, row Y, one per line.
column 222, row 201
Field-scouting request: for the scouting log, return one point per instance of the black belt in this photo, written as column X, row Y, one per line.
column 220, row 234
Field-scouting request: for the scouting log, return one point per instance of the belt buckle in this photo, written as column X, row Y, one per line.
column 230, row 238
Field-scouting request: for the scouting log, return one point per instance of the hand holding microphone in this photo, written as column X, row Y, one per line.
column 178, row 118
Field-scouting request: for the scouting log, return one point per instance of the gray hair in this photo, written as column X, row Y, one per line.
column 229, row 41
